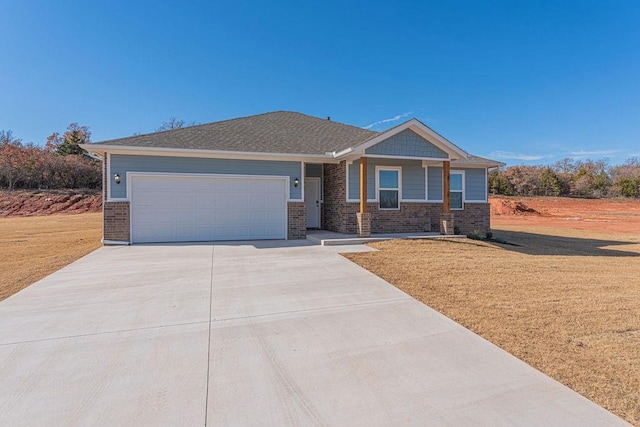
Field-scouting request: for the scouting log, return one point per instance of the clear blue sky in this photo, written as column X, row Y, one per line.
column 519, row 81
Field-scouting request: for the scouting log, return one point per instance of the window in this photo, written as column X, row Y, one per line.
column 389, row 188
column 457, row 190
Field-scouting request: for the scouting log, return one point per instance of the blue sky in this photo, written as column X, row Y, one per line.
column 518, row 81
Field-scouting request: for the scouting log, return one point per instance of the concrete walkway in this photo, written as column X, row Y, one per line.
column 254, row 334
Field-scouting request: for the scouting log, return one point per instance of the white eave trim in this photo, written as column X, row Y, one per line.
column 182, row 152
column 424, row 131
column 472, row 165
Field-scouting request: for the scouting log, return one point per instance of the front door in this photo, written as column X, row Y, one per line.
column 312, row 200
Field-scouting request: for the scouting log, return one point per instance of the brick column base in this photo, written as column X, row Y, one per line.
column 364, row 224
column 446, row 223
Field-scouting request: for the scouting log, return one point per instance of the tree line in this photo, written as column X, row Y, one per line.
column 569, row 177
column 61, row 163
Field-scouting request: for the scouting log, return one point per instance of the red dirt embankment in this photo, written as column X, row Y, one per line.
column 48, row 202
column 601, row 215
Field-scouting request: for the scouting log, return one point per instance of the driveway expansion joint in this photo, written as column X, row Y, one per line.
column 309, row 310
column 117, row 331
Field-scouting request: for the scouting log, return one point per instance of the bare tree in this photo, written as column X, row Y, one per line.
column 172, row 123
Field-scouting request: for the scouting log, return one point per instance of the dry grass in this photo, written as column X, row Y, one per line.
column 565, row 301
column 34, row 247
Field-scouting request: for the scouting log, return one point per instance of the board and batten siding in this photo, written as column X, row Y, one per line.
column 121, row 164
column 413, row 178
column 407, row 144
column 475, row 183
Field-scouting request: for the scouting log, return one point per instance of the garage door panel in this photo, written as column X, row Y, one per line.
column 173, row 208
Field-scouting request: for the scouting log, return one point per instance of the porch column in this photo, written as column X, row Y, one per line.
column 363, row 185
column 363, row 217
column 446, row 218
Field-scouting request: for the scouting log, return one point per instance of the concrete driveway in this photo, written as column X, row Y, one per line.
column 254, row 334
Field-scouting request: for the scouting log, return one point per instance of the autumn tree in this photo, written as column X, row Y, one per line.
column 69, row 143
column 55, row 166
column 11, row 158
column 525, row 180
column 626, row 178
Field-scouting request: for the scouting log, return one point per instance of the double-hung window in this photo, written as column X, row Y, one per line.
column 389, row 188
column 457, row 190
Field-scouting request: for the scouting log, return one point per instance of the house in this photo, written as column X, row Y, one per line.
column 275, row 175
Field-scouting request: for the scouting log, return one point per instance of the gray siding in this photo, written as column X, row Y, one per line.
column 474, row 183
column 121, row 164
column 407, row 143
column 413, row 182
column 434, row 181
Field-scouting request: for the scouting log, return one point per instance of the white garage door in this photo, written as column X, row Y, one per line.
column 175, row 208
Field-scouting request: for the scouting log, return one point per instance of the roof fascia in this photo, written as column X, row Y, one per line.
column 217, row 154
column 418, row 127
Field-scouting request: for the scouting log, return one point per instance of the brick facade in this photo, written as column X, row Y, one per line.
column 334, row 196
column 475, row 216
column 116, row 221
column 297, row 220
column 340, row 216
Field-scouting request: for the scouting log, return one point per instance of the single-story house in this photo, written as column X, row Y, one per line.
column 275, row 175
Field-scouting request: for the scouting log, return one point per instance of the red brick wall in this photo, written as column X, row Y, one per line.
column 475, row 216
column 116, row 221
column 297, row 220
column 334, row 188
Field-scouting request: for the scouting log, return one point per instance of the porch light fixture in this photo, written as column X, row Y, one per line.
column 296, row 181
column 116, row 178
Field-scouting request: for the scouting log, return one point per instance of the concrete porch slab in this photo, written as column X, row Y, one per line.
column 330, row 238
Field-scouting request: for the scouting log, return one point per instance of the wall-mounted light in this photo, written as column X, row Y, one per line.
column 296, row 181
column 116, row 178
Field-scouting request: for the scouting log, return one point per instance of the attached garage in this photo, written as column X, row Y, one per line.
column 190, row 208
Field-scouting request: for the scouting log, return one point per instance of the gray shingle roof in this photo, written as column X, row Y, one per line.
column 477, row 160
column 277, row 132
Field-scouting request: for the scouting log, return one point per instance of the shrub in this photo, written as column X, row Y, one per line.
column 475, row 235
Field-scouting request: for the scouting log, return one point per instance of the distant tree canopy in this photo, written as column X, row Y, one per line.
column 62, row 163
column 174, row 123
column 569, row 177
column 69, row 143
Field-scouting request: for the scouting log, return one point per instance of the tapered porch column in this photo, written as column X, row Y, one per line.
column 363, row 217
column 446, row 218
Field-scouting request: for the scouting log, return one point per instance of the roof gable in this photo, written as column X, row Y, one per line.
column 407, row 143
column 453, row 151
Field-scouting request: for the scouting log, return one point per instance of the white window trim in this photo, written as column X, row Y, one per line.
column 463, row 191
column 378, row 188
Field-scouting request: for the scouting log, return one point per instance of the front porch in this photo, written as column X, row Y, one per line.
column 330, row 238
